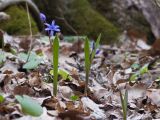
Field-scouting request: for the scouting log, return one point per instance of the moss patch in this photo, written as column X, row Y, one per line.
column 89, row 22
column 18, row 22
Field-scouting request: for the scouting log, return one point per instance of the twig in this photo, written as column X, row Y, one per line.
column 30, row 28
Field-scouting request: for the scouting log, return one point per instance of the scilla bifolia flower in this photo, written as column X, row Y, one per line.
column 42, row 17
column 52, row 28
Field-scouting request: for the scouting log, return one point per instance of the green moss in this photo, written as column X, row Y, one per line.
column 89, row 22
column 18, row 22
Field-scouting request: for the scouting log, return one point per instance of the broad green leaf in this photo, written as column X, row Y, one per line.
column 55, row 62
column 1, row 98
column 144, row 69
column 24, row 56
column 96, row 46
column 29, row 106
column 32, row 64
column 74, row 97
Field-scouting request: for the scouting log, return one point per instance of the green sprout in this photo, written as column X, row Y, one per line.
column 124, row 101
column 74, row 98
column 89, row 56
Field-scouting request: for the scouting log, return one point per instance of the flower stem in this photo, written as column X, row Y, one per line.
column 30, row 28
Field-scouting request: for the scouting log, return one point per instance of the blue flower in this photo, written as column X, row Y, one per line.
column 51, row 28
column 42, row 17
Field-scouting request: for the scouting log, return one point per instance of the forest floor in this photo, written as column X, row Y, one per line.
column 129, row 69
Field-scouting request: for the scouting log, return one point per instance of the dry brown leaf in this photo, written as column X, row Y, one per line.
column 154, row 94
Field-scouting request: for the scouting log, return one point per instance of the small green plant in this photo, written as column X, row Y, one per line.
column 89, row 56
column 29, row 106
column 124, row 101
column 54, row 44
column 140, row 72
column 74, row 97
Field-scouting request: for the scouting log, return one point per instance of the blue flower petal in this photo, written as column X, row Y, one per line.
column 53, row 23
column 48, row 25
column 47, row 29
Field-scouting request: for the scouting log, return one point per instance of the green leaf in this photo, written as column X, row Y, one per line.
column 32, row 64
column 55, row 63
column 87, row 62
column 29, row 106
column 1, row 98
column 24, row 56
column 124, row 101
column 135, row 66
column 64, row 74
column 144, row 69
column 74, row 97
column 87, row 55
column 134, row 77
column 96, row 46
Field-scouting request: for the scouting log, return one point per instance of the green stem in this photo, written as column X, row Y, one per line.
column 87, row 80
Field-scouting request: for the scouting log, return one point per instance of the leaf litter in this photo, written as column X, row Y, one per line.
column 114, row 69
